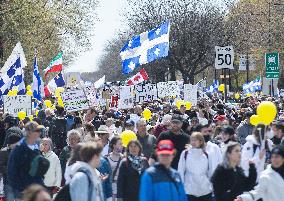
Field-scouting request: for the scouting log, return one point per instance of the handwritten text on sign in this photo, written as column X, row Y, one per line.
column 15, row 104
column 145, row 93
column 75, row 100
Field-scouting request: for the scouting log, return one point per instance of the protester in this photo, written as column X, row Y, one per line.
column 194, row 170
column 25, row 167
column 245, row 128
column 90, row 132
column 229, row 179
column 11, row 127
column 129, row 125
column 161, row 182
column 73, row 138
column 106, row 177
column 52, row 178
column 36, row 193
column 130, row 171
column 255, row 150
column 103, row 135
column 86, row 184
column 12, row 141
column 271, row 181
column 163, row 126
column 111, row 127
column 278, row 132
column 114, row 158
column 227, row 136
column 177, row 136
column 71, row 166
column 147, row 141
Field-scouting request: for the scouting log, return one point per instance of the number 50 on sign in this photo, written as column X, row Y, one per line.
column 224, row 57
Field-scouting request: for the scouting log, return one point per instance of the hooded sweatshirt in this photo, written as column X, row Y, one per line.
column 244, row 129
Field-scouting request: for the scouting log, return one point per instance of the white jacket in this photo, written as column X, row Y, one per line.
column 194, row 172
column 248, row 154
column 215, row 155
column 270, row 187
column 53, row 176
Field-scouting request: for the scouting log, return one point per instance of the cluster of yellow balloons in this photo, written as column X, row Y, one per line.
column 147, row 114
column 187, row 104
column 29, row 90
column 266, row 113
column 48, row 103
column 127, row 136
column 13, row 92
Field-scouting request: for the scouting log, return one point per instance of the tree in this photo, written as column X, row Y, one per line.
column 49, row 26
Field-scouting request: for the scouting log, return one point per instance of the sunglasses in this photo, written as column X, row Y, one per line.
column 99, row 134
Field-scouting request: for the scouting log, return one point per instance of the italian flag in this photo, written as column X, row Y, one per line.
column 55, row 65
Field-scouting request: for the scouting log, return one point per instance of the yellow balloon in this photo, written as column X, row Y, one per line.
column 255, row 119
column 48, row 103
column 15, row 92
column 36, row 112
column 29, row 87
column 10, row 93
column 267, row 112
column 221, row 88
column 31, row 117
column 248, row 95
column 60, row 101
column 22, row 115
column 179, row 103
column 29, row 93
column 58, row 91
column 237, row 96
column 147, row 114
column 127, row 136
column 188, row 105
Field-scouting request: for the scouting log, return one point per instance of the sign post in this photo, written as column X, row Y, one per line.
column 272, row 68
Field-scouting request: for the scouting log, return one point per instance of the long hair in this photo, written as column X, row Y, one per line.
column 75, row 154
column 137, row 143
column 226, row 160
column 198, row 136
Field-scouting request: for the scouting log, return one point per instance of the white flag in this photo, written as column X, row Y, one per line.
column 100, row 83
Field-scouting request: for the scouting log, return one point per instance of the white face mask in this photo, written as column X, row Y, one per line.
column 270, row 134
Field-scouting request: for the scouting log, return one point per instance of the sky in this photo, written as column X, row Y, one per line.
column 108, row 25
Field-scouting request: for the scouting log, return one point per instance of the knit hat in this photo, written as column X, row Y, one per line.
column 13, row 138
column 279, row 150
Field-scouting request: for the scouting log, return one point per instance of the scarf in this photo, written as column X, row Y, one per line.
column 136, row 162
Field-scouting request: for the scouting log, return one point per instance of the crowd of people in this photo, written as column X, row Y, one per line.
column 208, row 153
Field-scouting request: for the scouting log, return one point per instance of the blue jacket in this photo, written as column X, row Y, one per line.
column 19, row 165
column 161, row 184
column 105, row 169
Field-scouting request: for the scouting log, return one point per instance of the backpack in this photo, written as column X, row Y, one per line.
column 64, row 193
column 39, row 166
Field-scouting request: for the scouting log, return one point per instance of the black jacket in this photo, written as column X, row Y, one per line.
column 229, row 183
column 179, row 142
column 128, row 181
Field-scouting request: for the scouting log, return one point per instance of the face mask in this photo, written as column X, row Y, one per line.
column 270, row 134
column 118, row 150
column 207, row 138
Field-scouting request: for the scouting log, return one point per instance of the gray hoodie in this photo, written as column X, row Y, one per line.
column 244, row 129
column 85, row 184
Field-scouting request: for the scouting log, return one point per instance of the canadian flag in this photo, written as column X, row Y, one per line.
column 138, row 78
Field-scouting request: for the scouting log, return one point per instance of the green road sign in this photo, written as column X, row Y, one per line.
column 272, row 65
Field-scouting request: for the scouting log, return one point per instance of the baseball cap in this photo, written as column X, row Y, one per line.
column 13, row 138
column 129, row 123
column 165, row 147
column 33, row 126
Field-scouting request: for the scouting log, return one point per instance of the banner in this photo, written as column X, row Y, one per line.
column 72, row 79
column 91, row 93
column 126, row 98
column 15, row 104
column 75, row 100
column 170, row 88
column 190, row 93
column 145, row 93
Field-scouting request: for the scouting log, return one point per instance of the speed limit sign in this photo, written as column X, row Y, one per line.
column 224, row 57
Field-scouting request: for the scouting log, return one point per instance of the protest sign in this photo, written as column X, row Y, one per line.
column 190, row 93
column 15, row 104
column 145, row 93
column 126, row 97
column 170, row 88
column 75, row 100
column 91, row 93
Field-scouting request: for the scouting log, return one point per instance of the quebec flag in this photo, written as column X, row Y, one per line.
column 213, row 87
column 37, row 86
column 252, row 86
column 13, row 78
column 145, row 48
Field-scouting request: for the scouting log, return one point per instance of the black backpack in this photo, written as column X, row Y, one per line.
column 64, row 192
